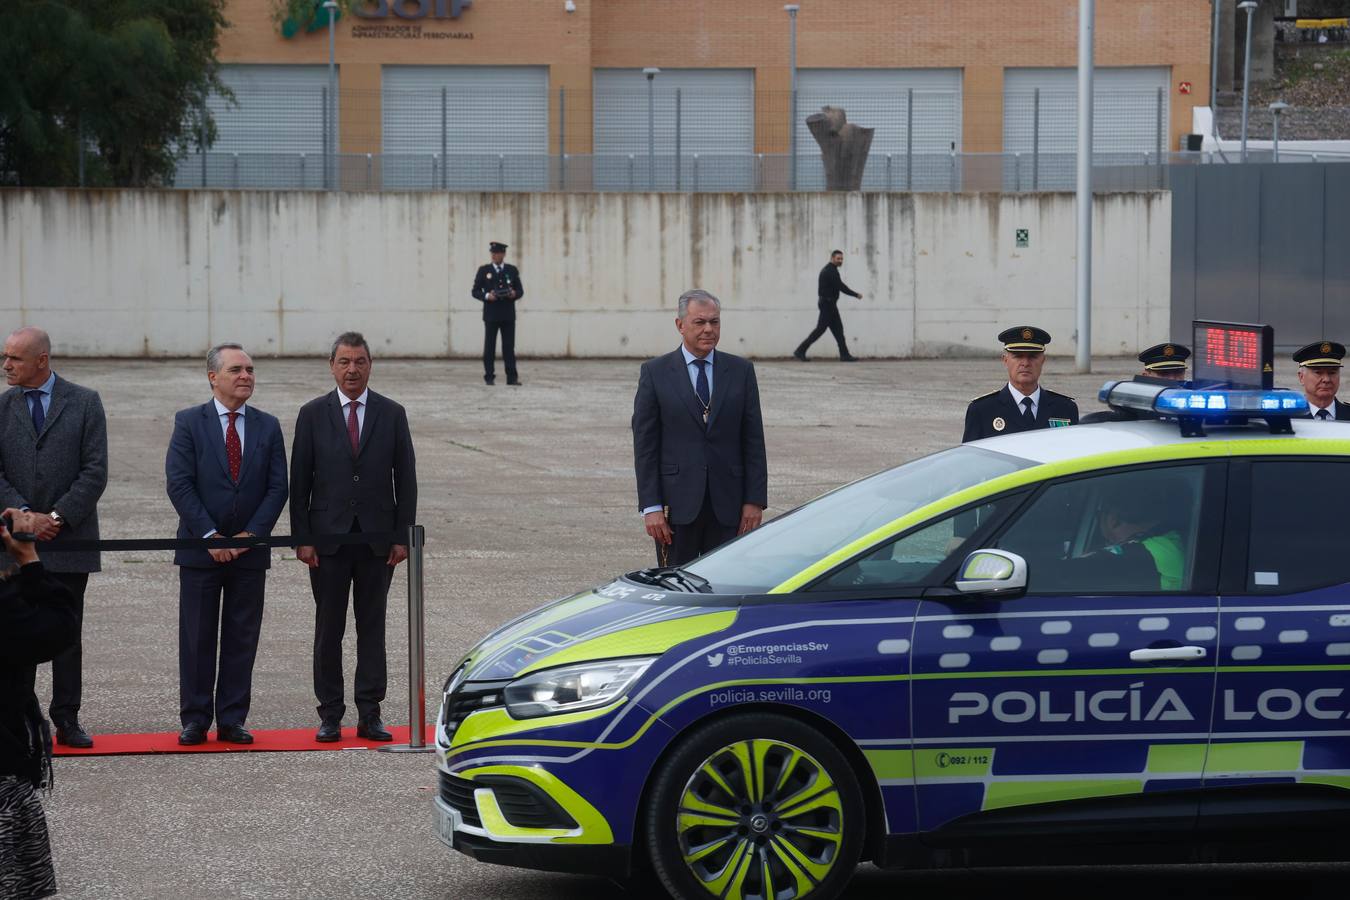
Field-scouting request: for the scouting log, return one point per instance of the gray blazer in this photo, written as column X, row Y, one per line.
column 73, row 449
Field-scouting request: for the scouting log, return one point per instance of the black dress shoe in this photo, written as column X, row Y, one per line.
column 71, row 734
column 800, row 355
column 372, row 729
column 849, row 358
column 233, row 734
column 514, row 382
column 329, row 732
column 489, row 379
column 192, row 734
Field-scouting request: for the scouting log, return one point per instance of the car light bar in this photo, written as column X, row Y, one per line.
column 1209, row 403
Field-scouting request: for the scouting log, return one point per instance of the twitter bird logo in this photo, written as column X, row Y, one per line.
column 714, row 659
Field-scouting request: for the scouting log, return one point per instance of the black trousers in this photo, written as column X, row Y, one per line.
column 508, row 332
column 696, row 538
column 357, row 570
column 66, row 668
column 829, row 318
column 225, row 602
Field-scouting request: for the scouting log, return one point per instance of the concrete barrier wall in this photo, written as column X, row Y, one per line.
column 168, row 273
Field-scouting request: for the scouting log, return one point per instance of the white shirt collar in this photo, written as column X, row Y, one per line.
column 222, row 410
column 1314, row 409
column 689, row 357
column 1018, row 396
column 364, row 399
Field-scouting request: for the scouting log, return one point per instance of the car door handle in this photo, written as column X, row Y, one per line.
column 1161, row 654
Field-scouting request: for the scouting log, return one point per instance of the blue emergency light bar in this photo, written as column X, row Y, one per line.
column 1194, row 406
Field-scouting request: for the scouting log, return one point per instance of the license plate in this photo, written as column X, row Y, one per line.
column 447, row 820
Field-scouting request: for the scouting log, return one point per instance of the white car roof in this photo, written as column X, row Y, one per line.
column 1048, row 445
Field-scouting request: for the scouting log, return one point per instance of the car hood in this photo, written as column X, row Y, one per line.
column 616, row 620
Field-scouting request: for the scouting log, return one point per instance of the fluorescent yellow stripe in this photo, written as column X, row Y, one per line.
column 641, row 640
column 1255, row 756
column 594, row 828
column 891, row 764
column 1172, row 758
column 1020, row 793
column 1340, row 781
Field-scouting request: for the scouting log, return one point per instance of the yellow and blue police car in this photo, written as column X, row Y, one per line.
column 1123, row 641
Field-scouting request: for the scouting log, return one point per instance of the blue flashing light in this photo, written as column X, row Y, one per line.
column 1205, row 402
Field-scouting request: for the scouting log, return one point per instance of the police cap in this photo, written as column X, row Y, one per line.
column 497, row 247
column 1024, row 339
column 1320, row 354
column 1165, row 357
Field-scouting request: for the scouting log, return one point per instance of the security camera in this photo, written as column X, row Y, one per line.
column 570, row 6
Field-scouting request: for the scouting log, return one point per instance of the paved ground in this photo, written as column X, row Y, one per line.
column 527, row 494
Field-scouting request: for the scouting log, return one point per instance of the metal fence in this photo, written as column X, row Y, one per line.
column 665, row 137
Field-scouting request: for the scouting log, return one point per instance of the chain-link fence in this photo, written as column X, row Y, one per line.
column 668, row 134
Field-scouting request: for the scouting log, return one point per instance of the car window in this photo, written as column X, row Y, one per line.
column 1299, row 530
column 909, row 561
column 1125, row 532
column 766, row 557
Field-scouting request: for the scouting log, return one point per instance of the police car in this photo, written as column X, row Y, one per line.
column 1126, row 641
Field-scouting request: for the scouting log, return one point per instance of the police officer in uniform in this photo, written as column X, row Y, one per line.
column 1319, row 373
column 498, row 286
column 1165, row 361
column 1022, row 404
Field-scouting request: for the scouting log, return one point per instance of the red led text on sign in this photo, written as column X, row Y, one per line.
column 1232, row 349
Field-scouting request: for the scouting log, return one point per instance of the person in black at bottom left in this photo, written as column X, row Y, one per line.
column 38, row 621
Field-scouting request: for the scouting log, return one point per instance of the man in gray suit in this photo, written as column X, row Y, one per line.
column 698, row 440
column 352, row 470
column 54, row 460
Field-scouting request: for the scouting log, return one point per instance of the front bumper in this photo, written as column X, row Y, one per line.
column 607, row 860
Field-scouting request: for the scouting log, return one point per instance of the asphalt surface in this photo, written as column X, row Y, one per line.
column 527, row 494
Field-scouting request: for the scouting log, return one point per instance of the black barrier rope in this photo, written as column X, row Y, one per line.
column 227, row 543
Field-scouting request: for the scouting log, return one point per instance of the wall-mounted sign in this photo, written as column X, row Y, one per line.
column 1023, row 236
column 1184, row 87
column 410, row 9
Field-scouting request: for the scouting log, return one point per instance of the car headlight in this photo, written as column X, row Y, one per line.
column 572, row 688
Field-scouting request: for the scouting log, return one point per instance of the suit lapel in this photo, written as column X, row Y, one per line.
column 21, row 411
column 58, row 404
column 680, row 374
column 719, row 382
column 216, row 435
column 335, row 418
column 372, row 413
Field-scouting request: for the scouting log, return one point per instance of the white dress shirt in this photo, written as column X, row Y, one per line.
column 360, row 410
column 1018, row 397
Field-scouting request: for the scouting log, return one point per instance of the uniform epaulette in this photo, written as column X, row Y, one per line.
column 1058, row 394
column 985, row 396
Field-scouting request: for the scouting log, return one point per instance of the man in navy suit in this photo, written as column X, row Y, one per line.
column 698, row 440
column 226, row 473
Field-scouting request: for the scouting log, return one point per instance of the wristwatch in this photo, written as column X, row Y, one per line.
column 56, row 517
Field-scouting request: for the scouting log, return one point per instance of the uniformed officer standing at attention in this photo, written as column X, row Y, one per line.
column 1319, row 373
column 498, row 286
column 1165, row 361
column 1022, row 404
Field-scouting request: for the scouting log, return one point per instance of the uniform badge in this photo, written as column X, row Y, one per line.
column 1169, row 351
column 1026, row 334
column 1059, row 423
column 1326, row 348
column 489, row 276
column 999, row 424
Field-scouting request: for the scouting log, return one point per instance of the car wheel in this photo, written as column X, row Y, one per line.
column 755, row 807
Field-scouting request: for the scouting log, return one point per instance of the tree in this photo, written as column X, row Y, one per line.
column 129, row 77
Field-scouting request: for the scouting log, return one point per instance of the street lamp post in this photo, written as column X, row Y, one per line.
column 1276, row 108
column 1250, row 7
column 1214, row 72
column 792, row 101
column 1087, row 13
column 331, row 139
column 651, row 72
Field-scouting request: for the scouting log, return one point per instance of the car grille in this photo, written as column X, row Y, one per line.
column 468, row 699
column 525, row 805
column 457, row 793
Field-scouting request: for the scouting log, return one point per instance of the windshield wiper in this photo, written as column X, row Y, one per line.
column 675, row 578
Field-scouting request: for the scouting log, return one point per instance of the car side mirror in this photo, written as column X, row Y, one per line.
column 992, row 572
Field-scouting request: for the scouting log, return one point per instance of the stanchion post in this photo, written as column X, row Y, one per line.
column 417, row 675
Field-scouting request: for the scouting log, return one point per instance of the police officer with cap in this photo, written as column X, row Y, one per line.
column 1319, row 372
column 1165, row 361
column 1022, row 404
column 498, row 286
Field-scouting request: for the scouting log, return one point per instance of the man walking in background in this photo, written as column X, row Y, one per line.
column 54, row 461
column 226, row 474
column 828, row 288
column 352, row 470
column 498, row 286
column 698, row 440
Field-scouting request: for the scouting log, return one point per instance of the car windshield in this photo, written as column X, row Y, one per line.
column 768, row 556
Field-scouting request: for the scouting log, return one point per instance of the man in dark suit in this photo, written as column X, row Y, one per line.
column 498, row 286
column 698, row 440
column 1319, row 374
column 226, row 474
column 352, row 470
column 54, row 460
column 1021, row 404
column 829, row 285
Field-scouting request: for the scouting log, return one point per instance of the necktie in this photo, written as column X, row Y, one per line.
column 353, row 428
column 234, row 451
column 1323, row 415
column 35, row 407
column 1026, row 410
column 701, row 387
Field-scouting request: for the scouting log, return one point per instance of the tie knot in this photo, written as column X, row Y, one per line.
column 1323, row 414
column 1026, row 402
column 233, row 415
column 700, row 363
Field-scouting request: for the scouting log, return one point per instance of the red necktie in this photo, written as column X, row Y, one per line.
column 353, row 430
column 234, row 451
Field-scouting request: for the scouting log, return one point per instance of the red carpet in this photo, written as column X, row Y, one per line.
column 265, row 741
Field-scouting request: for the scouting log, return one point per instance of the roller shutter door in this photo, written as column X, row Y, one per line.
column 716, row 114
column 272, row 136
column 880, row 98
column 491, row 120
column 1128, row 118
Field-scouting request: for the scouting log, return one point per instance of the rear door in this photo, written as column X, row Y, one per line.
column 1045, row 713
